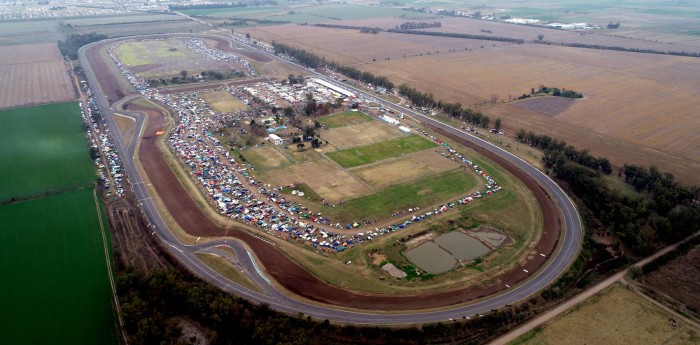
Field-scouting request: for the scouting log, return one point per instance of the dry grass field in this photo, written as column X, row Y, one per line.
column 265, row 157
column 33, row 74
column 323, row 177
column 360, row 134
column 404, row 169
column 678, row 279
column 614, row 316
column 223, row 102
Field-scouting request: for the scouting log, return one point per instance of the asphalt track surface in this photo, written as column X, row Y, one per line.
column 556, row 264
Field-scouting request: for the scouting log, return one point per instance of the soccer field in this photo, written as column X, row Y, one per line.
column 42, row 149
column 55, row 280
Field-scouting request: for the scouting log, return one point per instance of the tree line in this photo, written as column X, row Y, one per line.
column 664, row 213
column 315, row 61
column 363, row 29
column 460, row 35
column 418, row 25
column 427, row 100
column 623, row 49
column 69, row 47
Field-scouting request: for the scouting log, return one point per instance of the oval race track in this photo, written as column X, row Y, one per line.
column 557, row 264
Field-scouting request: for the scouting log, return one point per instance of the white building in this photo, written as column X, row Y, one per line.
column 337, row 89
column 390, row 120
column 275, row 139
column 404, row 129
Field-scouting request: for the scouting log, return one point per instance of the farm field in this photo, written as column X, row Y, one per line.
column 360, row 134
column 47, row 149
column 678, row 279
column 341, row 45
column 647, row 100
column 379, row 151
column 33, row 74
column 614, row 316
column 52, row 251
column 223, row 102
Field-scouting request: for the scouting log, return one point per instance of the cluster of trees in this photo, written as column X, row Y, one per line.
column 556, row 152
column 557, row 92
column 612, row 25
column 418, row 25
column 151, row 305
column 69, row 47
column 315, row 61
column 255, row 3
column 461, row 35
column 665, row 213
column 426, row 99
column 363, row 29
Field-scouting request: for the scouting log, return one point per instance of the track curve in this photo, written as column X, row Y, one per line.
column 557, row 260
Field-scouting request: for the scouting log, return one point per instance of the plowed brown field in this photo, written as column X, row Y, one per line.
column 33, row 74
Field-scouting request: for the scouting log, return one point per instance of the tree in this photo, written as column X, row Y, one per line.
column 247, row 35
column 497, row 124
column 288, row 111
column 300, row 146
column 540, row 37
column 183, row 74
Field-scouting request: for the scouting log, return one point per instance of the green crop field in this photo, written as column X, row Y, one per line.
column 42, row 149
column 376, row 152
column 55, row 281
column 345, row 119
column 424, row 192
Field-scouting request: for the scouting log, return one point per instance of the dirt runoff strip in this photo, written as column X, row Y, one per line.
column 300, row 281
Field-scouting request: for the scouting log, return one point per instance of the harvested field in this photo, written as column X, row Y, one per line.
column 379, row 151
column 325, row 178
column 43, row 150
column 547, row 106
column 342, row 45
column 344, row 119
column 33, row 74
column 223, row 101
column 265, row 157
column 360, row 134
column 679, row 279
column 649, row 100
column 405, row 169
column 617, row 316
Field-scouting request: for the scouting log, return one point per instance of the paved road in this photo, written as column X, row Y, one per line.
column 559, row 262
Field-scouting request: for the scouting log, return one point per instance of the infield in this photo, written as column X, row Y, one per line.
column 223, row 102
column 375, row 152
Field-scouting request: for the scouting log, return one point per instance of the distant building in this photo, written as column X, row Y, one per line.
column 337, row 89
column 275, row 139
column 404, row 129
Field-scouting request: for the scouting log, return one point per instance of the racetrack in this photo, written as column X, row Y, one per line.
column 524, row 281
